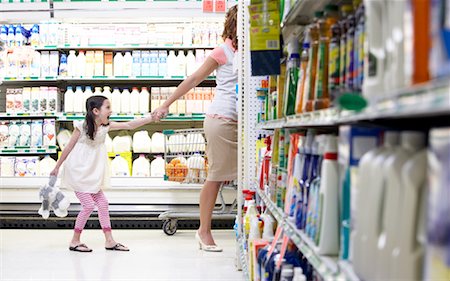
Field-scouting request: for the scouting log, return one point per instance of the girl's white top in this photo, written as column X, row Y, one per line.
column 86, row 168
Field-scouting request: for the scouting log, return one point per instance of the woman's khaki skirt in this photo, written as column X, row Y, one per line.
column 221, row 150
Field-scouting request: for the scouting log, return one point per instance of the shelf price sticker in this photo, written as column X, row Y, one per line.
column 208, row 6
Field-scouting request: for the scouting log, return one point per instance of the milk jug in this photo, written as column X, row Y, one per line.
column 141, row 167
column 46, row 165
column 72, row 64
column 157, row 143
column 98, row 91
column 181, row 63
column 107, row 93
column 127, row 64
column 87, row 94
column 78, row 105
column 125, row 101
column 142, row 142
column 119, row 167
column 81, row 64
column 118, row 64
column 144, row 101
column 134, row 101
column 63, row 138
column 116, row 101
column 158, row 167
column 69, row 100
column 172, row 64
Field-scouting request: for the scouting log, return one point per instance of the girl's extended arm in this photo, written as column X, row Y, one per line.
column 131, row 125
column 192, row 81
column 66, row 151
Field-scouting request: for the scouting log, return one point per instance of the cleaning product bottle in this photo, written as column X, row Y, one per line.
column 376, row 14
column 69, row 99
column 322, row 99
column 350, row 52
column 335, row 60
column 134, row 100
column 408, row 255
column 312, row 175
column 301, row 99
column 144, row 101
column 292, row 70
column 269, row 223
column 249, row 215
column 422, row 40
column 296, row 176
column 118, row 64
column 78, row 104
column 392, row 170
column 359, row 46
column 116, row 101
column 312, row 67
column 87, row 94
column 72, row 64
column 328, row 232
column 125, row 101
column 368, row 203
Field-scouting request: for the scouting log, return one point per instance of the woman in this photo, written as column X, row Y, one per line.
column 220, row 124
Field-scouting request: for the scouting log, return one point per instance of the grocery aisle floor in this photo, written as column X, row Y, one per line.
column 44, row 255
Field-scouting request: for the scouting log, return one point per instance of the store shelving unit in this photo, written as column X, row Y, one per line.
column 28, row 150
column 114, row 47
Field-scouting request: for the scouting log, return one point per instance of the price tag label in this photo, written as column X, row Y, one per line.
column 220, row 6
column 208, row 6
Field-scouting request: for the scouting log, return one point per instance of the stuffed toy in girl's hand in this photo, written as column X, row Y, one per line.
column 53, row 199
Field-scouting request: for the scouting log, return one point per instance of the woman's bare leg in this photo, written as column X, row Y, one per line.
column 208, row 198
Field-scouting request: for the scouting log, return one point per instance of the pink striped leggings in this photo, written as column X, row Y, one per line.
column 88, row 202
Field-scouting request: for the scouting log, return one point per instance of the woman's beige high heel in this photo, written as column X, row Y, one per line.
column 206, row 248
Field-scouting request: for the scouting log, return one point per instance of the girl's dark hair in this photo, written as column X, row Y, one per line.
column 230, row 26
column 92, row 103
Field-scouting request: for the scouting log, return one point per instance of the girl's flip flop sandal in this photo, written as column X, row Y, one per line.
column 77, row 248
column 118, row 247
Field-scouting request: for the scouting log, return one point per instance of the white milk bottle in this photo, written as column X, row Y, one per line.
column 190, row 63
column 127, row 64
column 144, row 101
column 125, row 101
column 162, row 63
column 81, row 64
column 78, row 100
column 72, row 64
column 118, row 64
column 134, row 100
column 172, row 64
column 107, row 93
column 116, row 100
column 69, row 100
column 141, row 167
column 87, row 94
column 181, row 63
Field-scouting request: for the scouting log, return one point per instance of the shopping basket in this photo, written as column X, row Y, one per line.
column 184, row 153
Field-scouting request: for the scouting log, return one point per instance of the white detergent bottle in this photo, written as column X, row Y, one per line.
column 118, row 64
column 190, row 63
column 119, row 167
column 172, row 64
column 81, row 64
column 329, row 200
column 141, row 167
column 268, row 230
column 127, row 64
column 157, row 167
column 369, row 203
column 408, row 255
column 144, row 101
column 375, row 11
column 142, row 142
column 78, row 100
column 87, row 94
column 107, row 93
column 116, row 101
column 134, row 100
column 69, row 99
column 410, row 143
column 125, row 101
column 72, row 64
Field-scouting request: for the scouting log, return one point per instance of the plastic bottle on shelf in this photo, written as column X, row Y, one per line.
column 107, row 92
column 63, row 67
column 78, row 105
column 190, row 63
column 153, row 63
column 90, row 64
column 157, row 167
column 199, row 57
column 72, row 64
column 136, row 63
column 11, row 36
column 141, row 167
column 99, row 63
column 298, row 274
column 155, row 98
column 291, row 78
column 350, row 52
column 181, row 63
column 128, row 64
column 81, row 64
column 116, row 101
column 301, row 98
column 172, row 64
column 4, row 33
column 69, row 100
column 118, row 64
column 98, row 91
column 134, row 100
column 34, row 39
column 335, row 60
column 87, row 94
column 119, row 167
column 36, row 65
column 125, row 101
column 249, row 215
column 144, row 101
column 410, row 143
column 322, row 98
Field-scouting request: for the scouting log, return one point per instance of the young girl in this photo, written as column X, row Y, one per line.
column 86, row 168
column 220, row 124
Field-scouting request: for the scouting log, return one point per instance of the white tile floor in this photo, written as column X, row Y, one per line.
column 44, row 255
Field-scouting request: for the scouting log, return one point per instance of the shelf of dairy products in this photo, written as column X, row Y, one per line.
column 114, row 47
column 14, row 80
column 326, row 266
column 103, row 64
column 431, row 99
